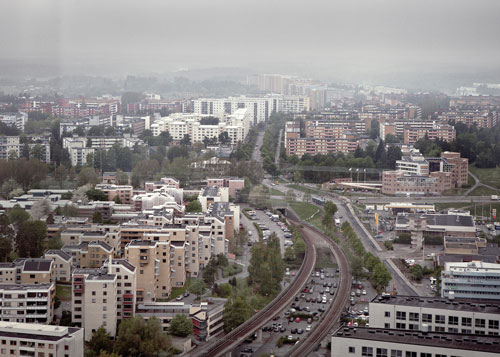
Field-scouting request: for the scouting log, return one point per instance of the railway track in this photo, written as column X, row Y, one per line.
column 232, row 339
column 324, row 326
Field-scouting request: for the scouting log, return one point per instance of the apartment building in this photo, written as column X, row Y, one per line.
column 212, row 194
column 28, row 271
column 125, row 287
column 478, row 118
column 413, row 164
column 375, row 342
column 30, row 303
column 29, row 339
column 91, row 254
column 397, row 126
column 18, row 119
column 260, row 109
column 418, row 313
column 471, row 280
column 152, row 260
column 293, row 104
column 86, row 234
column 11, row 145
column 94, row 300
column 165, row 182
column 314, row 146
column 234, row 184
column 444, row 132
column 439, row 225
column 63, row 263
column 123, row 192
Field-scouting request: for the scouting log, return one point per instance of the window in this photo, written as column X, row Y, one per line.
column 381, row 352
column 422, row 354
column 411, row 354
column 400, row 315
column 414, row 316
column 387, row 325
column 440, row 319
column 440, row 355
column 493, row 324
column 426, row 317
column 93, row 301
column 387, row 314
column 400, row 326
column 396, row 353
column 352, row 349
column 466, row 321
column 453, row 329
column 412, row 326
column 453, row 320
column 439, row 329
column 466, row 331
column 367, row 351
column 481, row 323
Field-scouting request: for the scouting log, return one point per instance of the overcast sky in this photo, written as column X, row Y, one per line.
column 165, row 35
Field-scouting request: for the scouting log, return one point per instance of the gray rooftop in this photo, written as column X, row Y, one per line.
column 459, row 342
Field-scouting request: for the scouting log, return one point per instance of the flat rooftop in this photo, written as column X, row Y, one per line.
column 470, row 305
column 35, row 331
column 460, row 342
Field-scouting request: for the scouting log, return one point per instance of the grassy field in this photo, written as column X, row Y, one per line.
column 457, row 205
column 63, row 292
column 275, row 192
column 325, row 259
column 303, row 189
column 278, row 203
column 487, row 176
column 304, row 210
column 483, row 191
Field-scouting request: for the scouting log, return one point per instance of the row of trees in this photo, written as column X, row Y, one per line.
column 360, row 258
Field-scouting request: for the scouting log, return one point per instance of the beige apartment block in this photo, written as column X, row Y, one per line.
column 37, row 271
column 27, row 303
column 89, row 254
column 94, row 300
column 126, row 286
column 27, row 339
column 63, row 263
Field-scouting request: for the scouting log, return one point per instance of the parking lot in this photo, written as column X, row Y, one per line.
column 265, row 221
column 300, row 317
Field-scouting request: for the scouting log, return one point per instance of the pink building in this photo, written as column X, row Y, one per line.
column 234, row 184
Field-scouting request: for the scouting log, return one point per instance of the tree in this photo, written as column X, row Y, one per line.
column 307, row 197
column 291, row 196
column 196, row 286
column 100, row 341
column 236, row 311
column 181, row 326
column 10, row 188
column 193, row 206
column 138, row 337
column 209, row 272
column 40, row 208
column 381, row 276
column 88, row 175
column 60, row 174
column 224, row 138
column 166, row 138
column 96, row 195
column 31, row 238
column 18, row 215
column 5, row 248
column 121, row 178
column 97, row 217
column 289, row 254
column 186, row 140
column 55, row 243
column 38, row 152
column 417, row 272
column 299, row 247
column 391, row 139
column 356, row 266
column 330, row 208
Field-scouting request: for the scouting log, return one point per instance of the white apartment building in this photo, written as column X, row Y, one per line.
column 237, row 125
column 374, row 342
column 260, row 108
column 31, row 303
column 9, row 145
column 22, row 339
column 417, row 313
column 126, row 286
column 209, row 195
column 18, row 120
column 94, row 300
column 471, row 280
column 293, row 104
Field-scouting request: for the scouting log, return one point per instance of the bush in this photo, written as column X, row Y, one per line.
column 403, row 238
column 388, row 245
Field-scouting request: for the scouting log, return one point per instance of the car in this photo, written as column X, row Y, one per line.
column 292, row 319
column 294, row 330
column 298, row 308
column 300, row 331
column 335, row 285
column 298, row 319
column 363, row 292
column 307, row 309
column 308, row 299
column 247, row 350
column 365, row 309
column 277, row 317
column 313, row 299
column 317, row 275
column 353, row 294
column 332, row 292
column 308, row 328
column 329, row 284
column 321, row 309
column 330, row 300
column 325, row 284
column 178, row 298
column 282, row 329
column 360, row 286
column 322, row 291
column 186, row 294
column 327, row 290
column 296, row 298
column 309, row 320
column 249, row 244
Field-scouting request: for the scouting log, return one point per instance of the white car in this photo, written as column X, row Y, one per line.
column 363, row 292
column 308, row 328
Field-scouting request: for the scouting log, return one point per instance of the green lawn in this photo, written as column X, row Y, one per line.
column 278, row 203
column 301, row 188
column 63, row 292
column 457, row 205
column 304, row 210
column 487, row 176
column 483, row 191
column 275, row 192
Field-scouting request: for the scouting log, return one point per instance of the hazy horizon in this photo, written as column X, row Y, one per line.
column 321, row 39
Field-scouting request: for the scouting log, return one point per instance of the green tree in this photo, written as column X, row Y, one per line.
column 236, row 311
column 96, row 195
column 31, row 238
column 289, row 254
column 196, row 286
column 209, row 272
column 181, row 326
column 381, row 276
column 330, row 208
column 87, row 175
column 224, row 138
column 291, row 196
column 138, row 337
column 55, row 243
column 193, row 206
column 417, row 273
column 100, row 341
column 97, row 217
column 60, row 174
column 186, row 140
column 356, row 266
column 18, row 215
column 121, row 178
column 299, row 247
